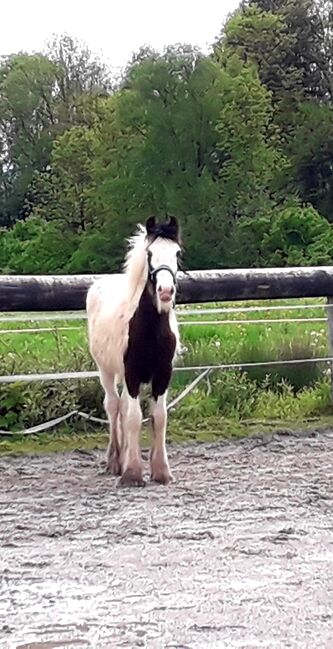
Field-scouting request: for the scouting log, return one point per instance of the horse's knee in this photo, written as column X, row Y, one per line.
column 159, row 413
column 111, row 404
column 160, row 416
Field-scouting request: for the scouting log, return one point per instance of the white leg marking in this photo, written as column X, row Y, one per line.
column 160, row 471
column 111, row 405
column 131, row 416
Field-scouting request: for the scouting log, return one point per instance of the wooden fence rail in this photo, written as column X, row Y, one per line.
column 68, row 292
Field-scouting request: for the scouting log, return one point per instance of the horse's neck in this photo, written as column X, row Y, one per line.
column 147, row 312
column 135, row 293
column 150, row 325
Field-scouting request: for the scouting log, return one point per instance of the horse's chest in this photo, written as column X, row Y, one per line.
column 151, row 347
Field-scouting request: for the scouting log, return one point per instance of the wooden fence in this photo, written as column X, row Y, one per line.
column 68, row 292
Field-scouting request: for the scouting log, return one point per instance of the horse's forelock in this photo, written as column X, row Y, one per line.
column 168, row 230
column 164, row 231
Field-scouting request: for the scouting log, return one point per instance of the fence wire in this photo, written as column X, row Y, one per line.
column 92, row 374
column 41, row 428
column 180, row 311
column 187, row 323
column 204, row 370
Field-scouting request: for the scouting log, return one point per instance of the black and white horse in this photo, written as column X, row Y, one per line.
column 134, row 338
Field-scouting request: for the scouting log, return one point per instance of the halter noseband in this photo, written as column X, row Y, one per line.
column 153, row 272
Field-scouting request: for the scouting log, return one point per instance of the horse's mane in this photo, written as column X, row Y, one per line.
column 135, row 265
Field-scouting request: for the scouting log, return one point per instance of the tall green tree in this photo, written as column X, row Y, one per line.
column 305, row 23
column 262, row 37
column 190, row 138
column 27, row 118
column 310, row 151
column 290, row 43
column 40, row 97
column 285, row 39
column 68, row 184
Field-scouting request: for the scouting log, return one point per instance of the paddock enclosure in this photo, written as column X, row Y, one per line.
column 236, row 552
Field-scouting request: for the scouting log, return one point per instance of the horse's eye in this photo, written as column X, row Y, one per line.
column 149, row 255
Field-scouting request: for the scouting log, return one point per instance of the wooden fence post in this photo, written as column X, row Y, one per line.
column 330, row 337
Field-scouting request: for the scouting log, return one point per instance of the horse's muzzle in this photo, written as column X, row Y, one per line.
column 166, row 294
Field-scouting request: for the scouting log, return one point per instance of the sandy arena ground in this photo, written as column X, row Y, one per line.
column 237, row 552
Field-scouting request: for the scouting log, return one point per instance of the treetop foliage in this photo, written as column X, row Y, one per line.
column 238, row 144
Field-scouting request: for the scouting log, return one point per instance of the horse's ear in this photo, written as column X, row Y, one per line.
column 173, row 226
column 151, row 225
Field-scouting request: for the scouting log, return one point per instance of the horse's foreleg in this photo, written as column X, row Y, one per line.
column 111, row 405
column 160, row 471
column 131, row 419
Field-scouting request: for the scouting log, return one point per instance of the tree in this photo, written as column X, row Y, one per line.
column 290, row 43
column 41, row 96
column 262, row 37
column 70, row 181
column 79, row 71
column 285, row 40
column 33, row 246
column 26, row 122
column 305, row 24
column 311, row 156
column 252, row 150
column 324, row 10
column 157, row 147
column 226, row 142
column 99, row 251
column 81, row 81
column 186, row 136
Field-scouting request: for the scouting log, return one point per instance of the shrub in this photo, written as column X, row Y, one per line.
column 298, row 237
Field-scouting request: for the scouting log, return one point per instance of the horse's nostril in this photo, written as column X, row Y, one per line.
column 170, row 290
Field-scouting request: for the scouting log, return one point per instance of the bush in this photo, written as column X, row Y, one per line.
column 298, row 237
column 292, row 236
column 99, row 251
column 36, row 246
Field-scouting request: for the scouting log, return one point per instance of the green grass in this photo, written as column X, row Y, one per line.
column 292, row 393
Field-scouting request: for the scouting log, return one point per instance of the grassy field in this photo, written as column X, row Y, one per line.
column 225, row 402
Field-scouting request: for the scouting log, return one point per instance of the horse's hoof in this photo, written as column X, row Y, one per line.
column 159, row 469
column 162, row 476
column 113, row 465
column 131, row 478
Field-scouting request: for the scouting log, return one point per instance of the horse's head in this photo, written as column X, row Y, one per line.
column 163, row 249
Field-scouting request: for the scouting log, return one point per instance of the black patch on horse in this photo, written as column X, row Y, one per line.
column 151, row 347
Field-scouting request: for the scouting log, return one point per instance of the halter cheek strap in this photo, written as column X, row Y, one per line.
column 153, row 272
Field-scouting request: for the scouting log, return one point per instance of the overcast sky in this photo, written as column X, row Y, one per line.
column 112, row 29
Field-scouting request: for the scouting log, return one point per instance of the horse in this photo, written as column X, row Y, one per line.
column 134, row 340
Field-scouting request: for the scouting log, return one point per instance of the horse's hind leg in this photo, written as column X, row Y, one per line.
column 111, row 405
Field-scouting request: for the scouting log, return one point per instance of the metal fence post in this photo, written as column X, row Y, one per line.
column 330, row 337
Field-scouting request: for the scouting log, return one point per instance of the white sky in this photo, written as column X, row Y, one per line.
column 113, row 29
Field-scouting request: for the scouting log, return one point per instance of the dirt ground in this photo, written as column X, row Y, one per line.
column 238, row 552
